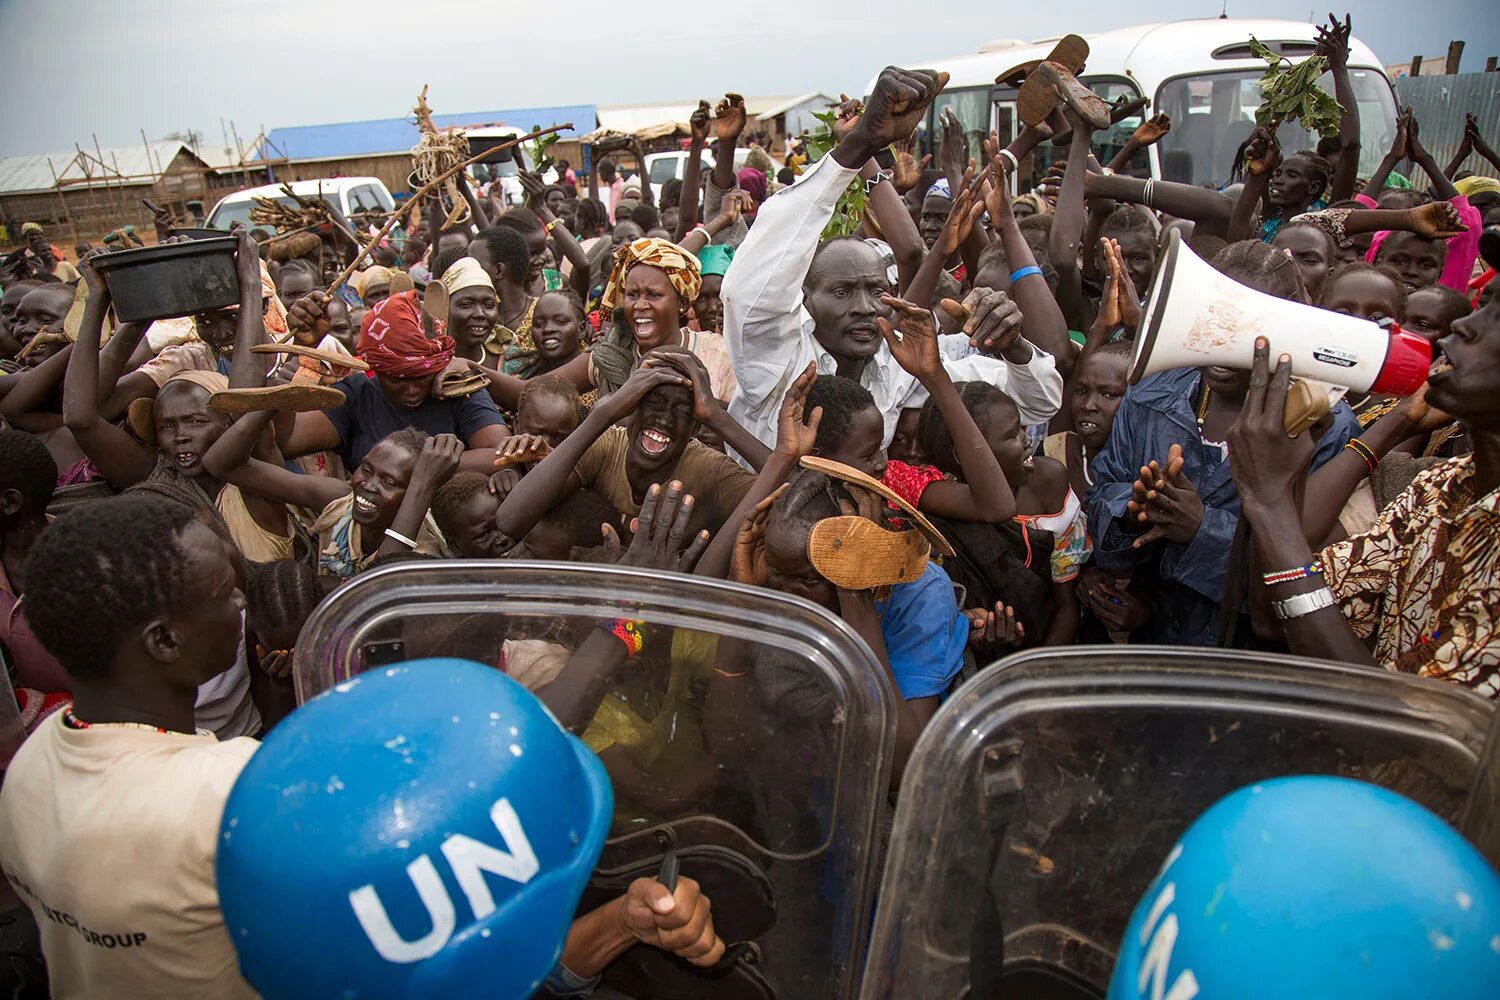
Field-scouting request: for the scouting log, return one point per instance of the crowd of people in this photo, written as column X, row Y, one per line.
column 927, row 427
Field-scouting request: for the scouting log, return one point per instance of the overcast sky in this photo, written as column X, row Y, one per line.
column 114, row 67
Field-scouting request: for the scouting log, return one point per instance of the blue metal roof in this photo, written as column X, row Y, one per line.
column 392, row 135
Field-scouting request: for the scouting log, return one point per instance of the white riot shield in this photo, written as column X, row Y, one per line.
column 1045, row 793
column 751, row 735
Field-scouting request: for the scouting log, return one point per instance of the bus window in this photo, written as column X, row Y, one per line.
column 973, row 110
column 1213, row 113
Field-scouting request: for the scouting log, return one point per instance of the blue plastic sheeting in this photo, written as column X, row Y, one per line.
column 391, row 135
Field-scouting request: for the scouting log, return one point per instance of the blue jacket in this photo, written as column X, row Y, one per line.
column 1186, row 582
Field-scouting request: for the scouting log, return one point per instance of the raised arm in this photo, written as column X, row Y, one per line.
column 1147, row 133
column 765, row 284
column 1262, row 157
column 1330, row 486
column 1441, row 187
column 1067, row 226
column 435, row 465
column 1392, row 157
column 229, row 460
column 648, row 197
column 119, row 457
column 1333, row 45
column 729, row 122
column 1472, row 135
column 692, row 174
column 984, row 495
column 554, row 476
column 796, row 434
column 730, row 207
column 707, row 410
column 562, row 239
column 1041, row 319
column 1209, row 209
column 1267, row 467
column 27, row 406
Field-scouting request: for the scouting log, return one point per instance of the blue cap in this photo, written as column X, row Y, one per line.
column 422, row 830
column 1315, row 887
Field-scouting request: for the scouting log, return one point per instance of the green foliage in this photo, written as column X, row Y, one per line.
column 849, row 213
column 1290, row 92
column 541, row 160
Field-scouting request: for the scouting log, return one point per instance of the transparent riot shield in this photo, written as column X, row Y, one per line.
column 1045, row 794
column 750, row 735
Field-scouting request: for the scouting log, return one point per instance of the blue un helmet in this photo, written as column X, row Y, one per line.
column 1315, row 887
column 423, row 830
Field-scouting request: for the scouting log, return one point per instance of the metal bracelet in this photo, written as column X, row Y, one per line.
column 1303, row 604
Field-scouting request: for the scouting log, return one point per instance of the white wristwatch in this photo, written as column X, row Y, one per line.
column 1303, row 604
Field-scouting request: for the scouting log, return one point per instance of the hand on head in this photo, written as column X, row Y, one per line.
column 797, row 430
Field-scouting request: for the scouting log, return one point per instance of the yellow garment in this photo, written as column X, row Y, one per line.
column 681, row 267
column 254, row 542
column 1470, row 186
column 675, row 723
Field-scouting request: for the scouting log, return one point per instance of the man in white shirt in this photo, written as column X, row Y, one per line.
column 788, row 301
column 109, row 815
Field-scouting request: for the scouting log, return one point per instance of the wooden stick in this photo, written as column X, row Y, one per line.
column 422, row 191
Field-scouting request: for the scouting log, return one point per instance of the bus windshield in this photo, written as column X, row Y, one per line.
column 1213, row 113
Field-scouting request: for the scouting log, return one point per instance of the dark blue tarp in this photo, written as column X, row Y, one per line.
column 391, row 135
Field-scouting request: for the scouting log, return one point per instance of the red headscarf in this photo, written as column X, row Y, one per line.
column 392, row 341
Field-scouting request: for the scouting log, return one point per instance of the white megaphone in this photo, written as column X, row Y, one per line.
column 1195, row 316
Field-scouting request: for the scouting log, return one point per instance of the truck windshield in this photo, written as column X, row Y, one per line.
column 1213, row 113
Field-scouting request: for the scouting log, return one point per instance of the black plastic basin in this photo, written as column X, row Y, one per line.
column 170, row 280
column 198, row 234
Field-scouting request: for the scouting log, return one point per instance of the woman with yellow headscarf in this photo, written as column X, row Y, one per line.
column 652, row 285
column 651, row 288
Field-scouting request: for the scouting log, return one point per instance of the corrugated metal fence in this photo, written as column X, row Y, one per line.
column 1440, row 103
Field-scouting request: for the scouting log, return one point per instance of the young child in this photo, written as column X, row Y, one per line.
column 1430, row 311
column 109, row 817
column 1096, row 386
column 1417, row 259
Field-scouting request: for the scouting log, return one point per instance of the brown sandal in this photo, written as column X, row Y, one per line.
column 852, row 476
column 1071, row 50
column 855, row 553
column 294, row 397
column 1051, row 84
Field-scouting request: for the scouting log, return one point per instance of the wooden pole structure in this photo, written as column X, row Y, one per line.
column 244, row 175
column 422, row 191
column 1455, row 56
column 63, row 202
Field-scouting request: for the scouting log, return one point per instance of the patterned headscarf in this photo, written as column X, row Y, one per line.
column 392, row 341
column 681, row 267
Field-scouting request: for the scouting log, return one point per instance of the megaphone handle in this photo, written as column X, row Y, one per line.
column 667, row 874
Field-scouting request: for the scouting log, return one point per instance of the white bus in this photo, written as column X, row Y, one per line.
column 1200, row 72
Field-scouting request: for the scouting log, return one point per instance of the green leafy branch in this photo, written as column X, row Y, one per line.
column 849, row 213
column 541, row 160
column 1290, row 92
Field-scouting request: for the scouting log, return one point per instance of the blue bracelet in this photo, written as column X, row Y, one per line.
column 1024, row 272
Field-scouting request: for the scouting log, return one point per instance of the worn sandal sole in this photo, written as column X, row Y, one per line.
column 295, row 397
